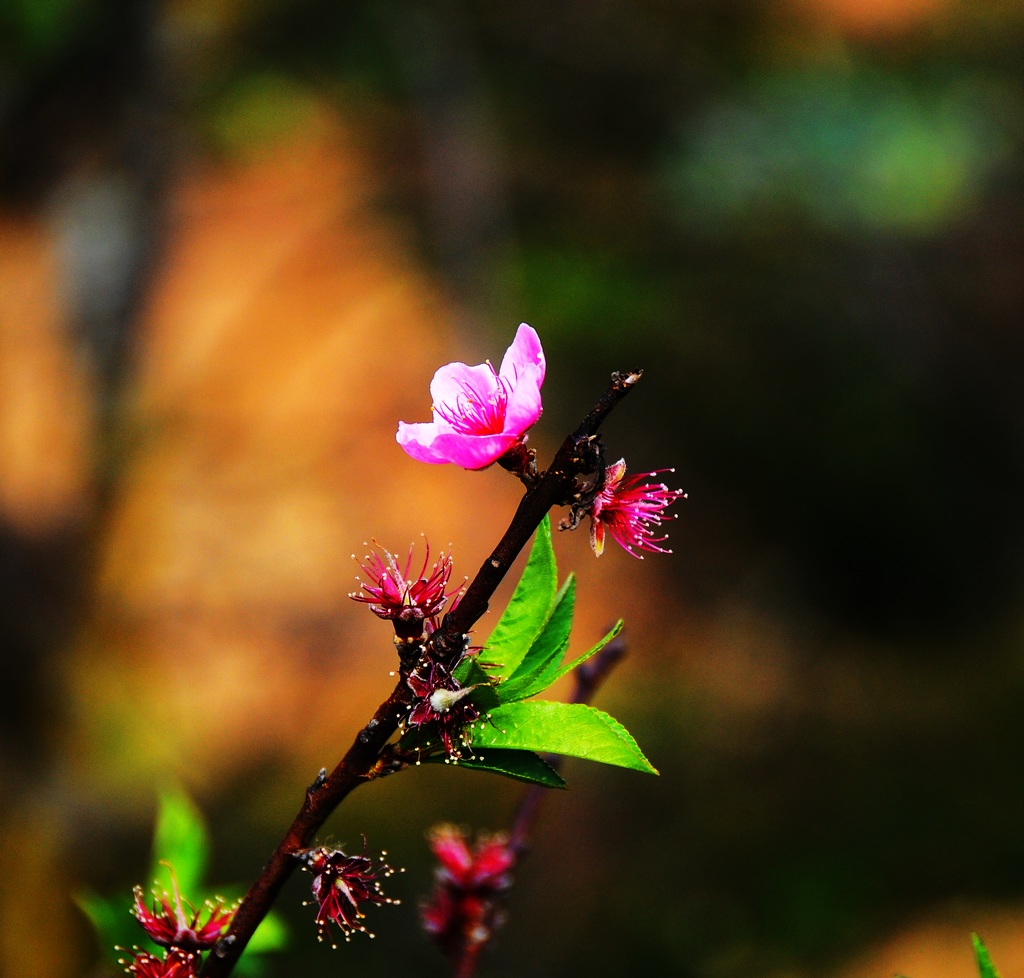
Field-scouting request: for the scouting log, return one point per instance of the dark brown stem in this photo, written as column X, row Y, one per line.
column 358, row 765
column 322, row 798
column 555, row 487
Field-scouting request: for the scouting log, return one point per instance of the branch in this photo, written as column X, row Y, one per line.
column 322, row 797
column 556, row 486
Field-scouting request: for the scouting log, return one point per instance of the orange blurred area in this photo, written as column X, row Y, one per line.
column 876, row 17
column 937, row 947
column 257, row 436
column 44, row 407
column 288, row 332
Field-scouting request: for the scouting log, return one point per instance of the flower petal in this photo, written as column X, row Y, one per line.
column 524, row 403
column 471, row 451
column 478, row 415
column 455, row 380
column 451, row 850
column 418, row 440
column 525, row 351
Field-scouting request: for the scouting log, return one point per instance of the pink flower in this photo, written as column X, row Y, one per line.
column 630, row 509
column 407, row 602
column 176, row 964
column 479, row 415
column 341, row 885
column 463, row 910
column 169, row 925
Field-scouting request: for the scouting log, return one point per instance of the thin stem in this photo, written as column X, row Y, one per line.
column 555, row 486
column 465, row 965
column 322, row 798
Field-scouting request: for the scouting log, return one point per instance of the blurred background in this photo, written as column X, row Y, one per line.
column 236, row 240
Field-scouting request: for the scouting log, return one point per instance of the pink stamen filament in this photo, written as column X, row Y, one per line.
column 477, row 414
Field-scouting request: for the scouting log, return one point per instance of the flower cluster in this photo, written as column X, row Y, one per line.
column 169, row 925
column 342, row 885
column 410, row 603
column 481, row 417
column 463, row 910
column 175, row 924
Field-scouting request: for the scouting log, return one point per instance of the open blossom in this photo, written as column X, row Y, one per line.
column 176, row 964
column 480, row 414
column 630, row 510
column 463, row 908
column 342, row 885
column 170, row 924
column 408, row 602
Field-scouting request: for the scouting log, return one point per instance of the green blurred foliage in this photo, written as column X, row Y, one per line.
column 31, row 31
column 850, row 149
column 180, row 856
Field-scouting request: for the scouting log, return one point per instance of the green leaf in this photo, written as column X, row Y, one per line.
column 485, row 698
column 527, row 611
column 985, row 966
column 469, row 673
column 552, row 672
column 180, row 839
column 547, row 650
column 271, row 935
column 524, row 686
column 102, row 913
column 555, row 632
column 115, row 926
column 593, row 650
column 521, row 765
column 561, row 728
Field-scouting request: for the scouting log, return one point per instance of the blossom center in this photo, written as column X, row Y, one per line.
column 477, row 412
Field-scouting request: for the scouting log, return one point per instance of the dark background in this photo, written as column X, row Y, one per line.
column 235, row 242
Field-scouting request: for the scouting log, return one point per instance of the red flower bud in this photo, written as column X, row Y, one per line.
column 464, row 908
column 176, row 964
column 342, row 885
column 170, row 924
